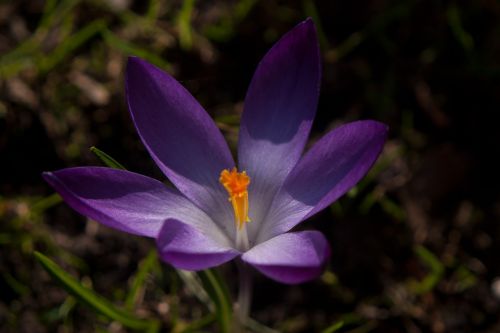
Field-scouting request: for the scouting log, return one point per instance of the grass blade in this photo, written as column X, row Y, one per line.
column 184, row 25
column 131, row 49
column 106, row 159
column 92, row 299
column 334, row 327
column 46, row 63
column 197, row 325
column 436, row 271
column 218, row 292
column 137, row 289
column 45, row 203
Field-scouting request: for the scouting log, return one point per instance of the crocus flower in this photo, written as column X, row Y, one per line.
column 218, row 212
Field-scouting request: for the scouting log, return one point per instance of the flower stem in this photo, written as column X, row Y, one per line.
column 242, row 238
column 242, row 306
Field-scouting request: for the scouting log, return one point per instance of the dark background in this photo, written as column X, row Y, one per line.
column 414, row 247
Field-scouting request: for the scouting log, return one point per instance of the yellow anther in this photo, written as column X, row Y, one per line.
column 236, row 184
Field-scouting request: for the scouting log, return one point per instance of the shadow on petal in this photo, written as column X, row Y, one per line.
column 291, row 258
column 186, row 247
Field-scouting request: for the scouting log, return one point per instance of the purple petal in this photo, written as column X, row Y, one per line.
column 293, row 257
column 279, row 109
column 181, row 137
column 125, row 200
column 186, row 247
column 333, row 166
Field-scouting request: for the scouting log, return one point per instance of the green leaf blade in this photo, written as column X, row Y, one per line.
column 106, row 159
column 92, row 299
column 148, row 265
column 218, row 292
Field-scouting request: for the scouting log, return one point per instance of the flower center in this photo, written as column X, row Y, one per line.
column 236, row 184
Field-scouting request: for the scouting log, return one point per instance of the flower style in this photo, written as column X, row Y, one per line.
column 217, row 213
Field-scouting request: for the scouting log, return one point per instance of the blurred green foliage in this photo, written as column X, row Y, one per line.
column 413, row 244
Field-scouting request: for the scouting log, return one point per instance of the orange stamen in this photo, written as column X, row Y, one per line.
column 236, row 184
